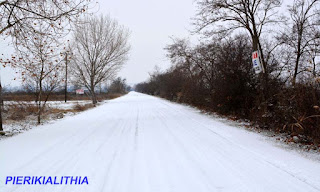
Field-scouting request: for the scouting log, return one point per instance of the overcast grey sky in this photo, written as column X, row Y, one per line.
column 151, row 22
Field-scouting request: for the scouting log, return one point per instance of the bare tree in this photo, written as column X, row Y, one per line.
column 17, row 18
column 198, row 61
column 314, row 52
column 207, row 63
column 99, row 51
column 251, row 15
column 118, row 85
column 302, row 37
column 39, row 60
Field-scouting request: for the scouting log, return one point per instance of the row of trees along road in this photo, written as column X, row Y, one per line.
column 217, row 74
column 38, row 30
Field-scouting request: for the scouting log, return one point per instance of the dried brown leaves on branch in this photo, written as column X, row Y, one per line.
column 35, row 28
column 40, row 63
column 19, row 17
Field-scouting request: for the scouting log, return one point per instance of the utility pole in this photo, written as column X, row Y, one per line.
column 66, row 82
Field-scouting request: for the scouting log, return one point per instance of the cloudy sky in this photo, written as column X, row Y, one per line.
column 151, row 22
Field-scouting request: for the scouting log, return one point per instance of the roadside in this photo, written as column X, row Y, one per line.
column 297, row 142
column 20, row 115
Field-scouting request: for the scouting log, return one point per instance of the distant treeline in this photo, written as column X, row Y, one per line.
column 117, row 87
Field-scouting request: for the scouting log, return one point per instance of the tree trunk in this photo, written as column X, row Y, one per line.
column 264, row 76
column 295, row 70
column 255, row 43
column 66, row 82
column 299, row 53
column 1, row 107
column 93, row 95
column 314, row 67
column 39, row 102
column 263, row 80
column 94, row 98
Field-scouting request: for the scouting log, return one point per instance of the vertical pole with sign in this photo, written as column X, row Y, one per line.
column 256, row 61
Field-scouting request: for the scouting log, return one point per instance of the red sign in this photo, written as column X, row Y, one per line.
column 255, row 55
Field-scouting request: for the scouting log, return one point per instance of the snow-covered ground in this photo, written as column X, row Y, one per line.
column 139, row 143
column 68, row 105
column 13, row 127
column 54, row 104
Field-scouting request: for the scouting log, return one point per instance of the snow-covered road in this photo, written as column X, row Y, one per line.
column 139, row 143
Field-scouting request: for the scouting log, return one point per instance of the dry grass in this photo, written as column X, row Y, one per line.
column 58, row 97
column 20, row 107
column 79, row 108
column 19, row 110
column 113, row 95
column 32, row 97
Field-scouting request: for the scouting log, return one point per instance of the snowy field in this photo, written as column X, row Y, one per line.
column 139, row 143
column 54, row 104
column 20, row 125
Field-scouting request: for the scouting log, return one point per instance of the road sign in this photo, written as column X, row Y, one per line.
column 256, row 62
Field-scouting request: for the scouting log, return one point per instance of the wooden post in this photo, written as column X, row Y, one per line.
column 66, row 82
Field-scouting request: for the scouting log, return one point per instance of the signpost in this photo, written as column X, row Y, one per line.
column 256, row 62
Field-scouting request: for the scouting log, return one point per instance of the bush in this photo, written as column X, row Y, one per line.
column 78, row 107
column 219, row 77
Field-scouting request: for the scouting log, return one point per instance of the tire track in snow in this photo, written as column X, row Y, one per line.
column 117, row 145
column 140, row 143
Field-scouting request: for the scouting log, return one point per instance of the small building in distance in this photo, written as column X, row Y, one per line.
column 80, row 92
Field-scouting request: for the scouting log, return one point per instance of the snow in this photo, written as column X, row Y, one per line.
column 13, row 127
column 54, row 104
column 68, row 105
column 140, row 143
